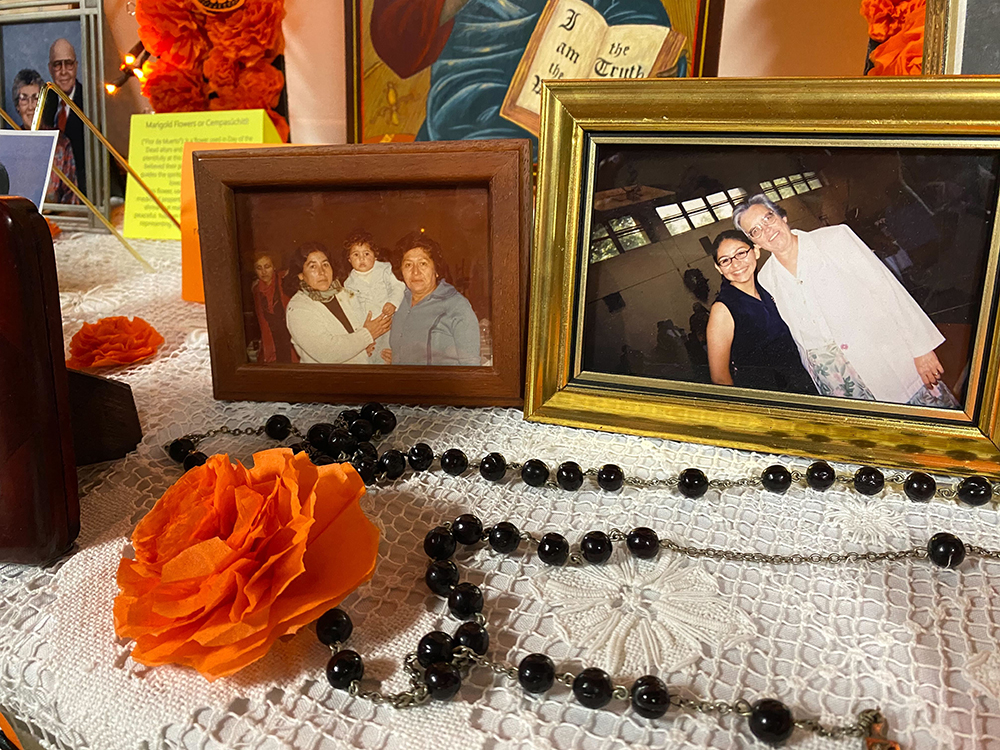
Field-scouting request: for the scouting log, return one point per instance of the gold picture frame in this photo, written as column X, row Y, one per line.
column 918, row 117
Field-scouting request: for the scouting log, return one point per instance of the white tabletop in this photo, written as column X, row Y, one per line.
column 919, row 642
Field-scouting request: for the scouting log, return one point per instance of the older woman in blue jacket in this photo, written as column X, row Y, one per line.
column 435, row 324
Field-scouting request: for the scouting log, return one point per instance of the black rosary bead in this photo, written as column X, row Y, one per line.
column 347, row 416
column 536, row 673
column 493, row 467
column 434, row 647
column 366, row 449
column 975, row 491
column 439, row 544
column 569, row 475
column 643, row 542
column 776, row 478
column 441, row 577
column 472, row 635
column 454, row 462
column 596, row 547
column 504, row 537
column 319, row 435
column 367, row 468
column 919, row 487
column 194, row 458
column 420, row 457
column 692, row 483
column 341, row 444
column 946, row 550
column 324, row 459
column 610, row 477
column 467, row 529
column 534, row 473
column 278, row 427
column 384, row 421
column 392, row 464
column 344, row 668
column 868, row 480
column 369, row 409
column 297, row 448
column 334, row 626
column 465, row 600
column 593, row 688
column 179, row 449
column 820, row 476
column 442, row 681
column 553, row 549
column 361, row 429
column 650, row 697
column 771, row 721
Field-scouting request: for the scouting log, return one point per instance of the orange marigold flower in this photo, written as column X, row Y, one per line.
column 257, row 87
column 173, row 89
column 172, row 30
column 230, row 559
column 886, row 17
column 250, row 33
column 113, row 341
column 903, row 53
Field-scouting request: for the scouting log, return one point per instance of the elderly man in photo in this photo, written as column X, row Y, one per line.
column 63, row 69
column 859, row 332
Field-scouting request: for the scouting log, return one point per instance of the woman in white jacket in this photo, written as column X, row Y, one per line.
column 324, row 319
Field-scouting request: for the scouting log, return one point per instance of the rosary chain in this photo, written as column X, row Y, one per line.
column 415, row 696
column 834, row 558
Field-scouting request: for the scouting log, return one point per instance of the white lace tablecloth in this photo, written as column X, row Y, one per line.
column 917, row 641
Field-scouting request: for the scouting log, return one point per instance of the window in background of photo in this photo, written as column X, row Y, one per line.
column 699, row 212
column 785, row 187
column 616, row 236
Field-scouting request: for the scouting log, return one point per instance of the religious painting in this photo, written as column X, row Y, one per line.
column 771, row 271
column 432, row 70
column 349, row 273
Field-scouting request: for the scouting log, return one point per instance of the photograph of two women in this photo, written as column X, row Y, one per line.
column 853, row 273
column 367, row 277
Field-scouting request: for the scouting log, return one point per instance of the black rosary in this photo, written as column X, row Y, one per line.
column 437, row 666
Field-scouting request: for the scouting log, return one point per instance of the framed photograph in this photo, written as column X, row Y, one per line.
column 61, row 43
column 26, row 164
column 409, row 61
column 792, row 266
column 350, row 273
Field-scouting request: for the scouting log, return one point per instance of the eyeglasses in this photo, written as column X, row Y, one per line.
column 767, row 220
column 739, row 255
column 57, row 64
column 27, row 98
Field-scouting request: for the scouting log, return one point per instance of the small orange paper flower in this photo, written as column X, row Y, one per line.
column 113, row 341
column 230, row 559
column 886, row 17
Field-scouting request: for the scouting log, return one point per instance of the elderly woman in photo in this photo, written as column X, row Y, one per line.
column 859, row 332
column 323, row 318
column 27, row 86
column 748, row 343
column 435, row 324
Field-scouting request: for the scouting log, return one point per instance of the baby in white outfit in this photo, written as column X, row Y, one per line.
column 378, row 289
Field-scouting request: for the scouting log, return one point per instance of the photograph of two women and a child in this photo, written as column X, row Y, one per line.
column 367, row 277
column 842, row 272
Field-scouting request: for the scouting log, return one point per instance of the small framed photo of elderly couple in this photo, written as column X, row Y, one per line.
column 791, row 266
column 392, row 272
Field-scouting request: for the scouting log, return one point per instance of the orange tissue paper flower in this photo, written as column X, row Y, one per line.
column 250, row 33
column 902, row 54
column 230, row 559
column 172, row 30
column 173, row 89
column 113, row 341
column 887, row 17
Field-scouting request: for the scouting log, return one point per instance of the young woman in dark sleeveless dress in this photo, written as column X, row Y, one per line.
column 749, row 344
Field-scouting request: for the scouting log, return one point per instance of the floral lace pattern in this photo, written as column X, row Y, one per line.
column 629, row 614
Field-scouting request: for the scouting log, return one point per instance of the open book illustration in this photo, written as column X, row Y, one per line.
column 572, row 40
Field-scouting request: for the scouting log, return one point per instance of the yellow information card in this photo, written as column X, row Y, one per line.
column 156, row 150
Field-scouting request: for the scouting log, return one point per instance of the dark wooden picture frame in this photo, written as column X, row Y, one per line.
column 224, row 179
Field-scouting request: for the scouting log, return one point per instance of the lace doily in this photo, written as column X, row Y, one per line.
column 917, row 641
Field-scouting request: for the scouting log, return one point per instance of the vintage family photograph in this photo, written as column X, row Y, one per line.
column 854, row 273
column 34, row 54
column 367, row 277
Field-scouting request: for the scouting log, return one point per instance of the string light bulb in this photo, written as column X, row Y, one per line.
column 131, row 67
